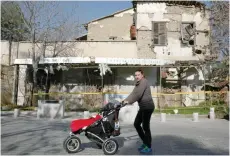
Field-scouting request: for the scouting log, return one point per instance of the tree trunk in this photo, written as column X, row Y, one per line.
column 10, row 49
column 47, row 88
column 180, row 84
column 35, row 68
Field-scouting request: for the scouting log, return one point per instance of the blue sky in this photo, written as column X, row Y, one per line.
column 90, row 10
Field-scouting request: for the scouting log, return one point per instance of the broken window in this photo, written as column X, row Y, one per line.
column 188, row 33
column 159, row 33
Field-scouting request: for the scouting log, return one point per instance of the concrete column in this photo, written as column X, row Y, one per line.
column 21, row 84
column 86, row 114
column 212, row 113
column 195, row 117
column 163, row 117
column 16, row 113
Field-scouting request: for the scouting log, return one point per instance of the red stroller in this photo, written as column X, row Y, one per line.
column 98, row 129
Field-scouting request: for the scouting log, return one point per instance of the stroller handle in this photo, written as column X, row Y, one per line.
column 119, row 106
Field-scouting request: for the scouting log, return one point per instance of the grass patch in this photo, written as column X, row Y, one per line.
column 221, row 111
column 184, row 110
column 11, row 107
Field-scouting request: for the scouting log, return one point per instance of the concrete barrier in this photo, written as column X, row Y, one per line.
column 195, row 117
column 212, row 109
column 16, row 113
column 163, row 117
column 50, row 109
column 86, row 114
column 212, row 113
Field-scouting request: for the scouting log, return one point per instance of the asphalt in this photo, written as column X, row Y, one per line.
column 177, row 136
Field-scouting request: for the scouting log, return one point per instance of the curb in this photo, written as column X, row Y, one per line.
column 180, row 116
column 77, row 115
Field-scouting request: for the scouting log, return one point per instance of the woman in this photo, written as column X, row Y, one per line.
column 142, row 94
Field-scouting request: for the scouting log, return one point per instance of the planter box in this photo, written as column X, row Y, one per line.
column 50, row 109
column 5, row 108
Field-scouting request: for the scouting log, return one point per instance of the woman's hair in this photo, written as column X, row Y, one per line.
column 141, row 71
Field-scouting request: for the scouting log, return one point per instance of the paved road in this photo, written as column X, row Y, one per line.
column 176, row 136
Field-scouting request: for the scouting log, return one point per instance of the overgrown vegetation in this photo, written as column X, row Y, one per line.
column 11, row 107
column 221, row 109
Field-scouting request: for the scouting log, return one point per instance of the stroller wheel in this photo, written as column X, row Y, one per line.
column 110, row 147
column 72, row 144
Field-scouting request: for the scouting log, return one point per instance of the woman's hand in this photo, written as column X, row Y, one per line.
column 124, row 102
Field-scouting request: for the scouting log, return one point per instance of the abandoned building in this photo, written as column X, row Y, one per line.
column 153, row 35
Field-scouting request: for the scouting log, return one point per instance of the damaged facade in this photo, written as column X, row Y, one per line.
column 172, row 30
column 113, row 27
column 179, row 31
column 150, row 31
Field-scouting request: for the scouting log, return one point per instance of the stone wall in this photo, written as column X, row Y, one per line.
column 7, row 80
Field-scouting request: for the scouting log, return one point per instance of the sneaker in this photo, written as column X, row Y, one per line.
column 141, row 147
column 146, row 150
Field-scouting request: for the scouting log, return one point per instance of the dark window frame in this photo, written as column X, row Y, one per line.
column 156, row 37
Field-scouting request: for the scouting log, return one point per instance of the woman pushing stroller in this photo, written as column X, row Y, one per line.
column 142, row 94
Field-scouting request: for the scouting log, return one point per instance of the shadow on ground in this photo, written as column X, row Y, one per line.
column 120, row 141
column 172, row 145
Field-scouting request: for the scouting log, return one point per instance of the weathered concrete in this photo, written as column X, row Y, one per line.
column 144, row 44
column 50, row 110
column 121, row 49
column 21, row 85
column 116, row 26
column 173, row 15
column 7, row 73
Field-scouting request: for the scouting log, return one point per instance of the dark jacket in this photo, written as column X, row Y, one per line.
column 142, row 94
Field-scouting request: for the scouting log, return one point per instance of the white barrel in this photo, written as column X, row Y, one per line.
column 195, row 117
column 16, row 113
column 86, row 114
column 211, row 115
column 212, row 109
column 163, row 117
column 175, row 111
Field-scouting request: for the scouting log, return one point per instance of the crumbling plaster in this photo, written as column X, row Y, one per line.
column 116, row 26
column 173, row 15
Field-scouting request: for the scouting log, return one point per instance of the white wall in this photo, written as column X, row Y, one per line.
column 117, row 26
column 121, row 49
column 4, row 52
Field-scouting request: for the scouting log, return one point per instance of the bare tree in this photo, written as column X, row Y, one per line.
column 49, row 25
column 220, row 38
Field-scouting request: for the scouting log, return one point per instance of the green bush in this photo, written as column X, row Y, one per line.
column 221, row 109
column 222, row 112
column 211, row 103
